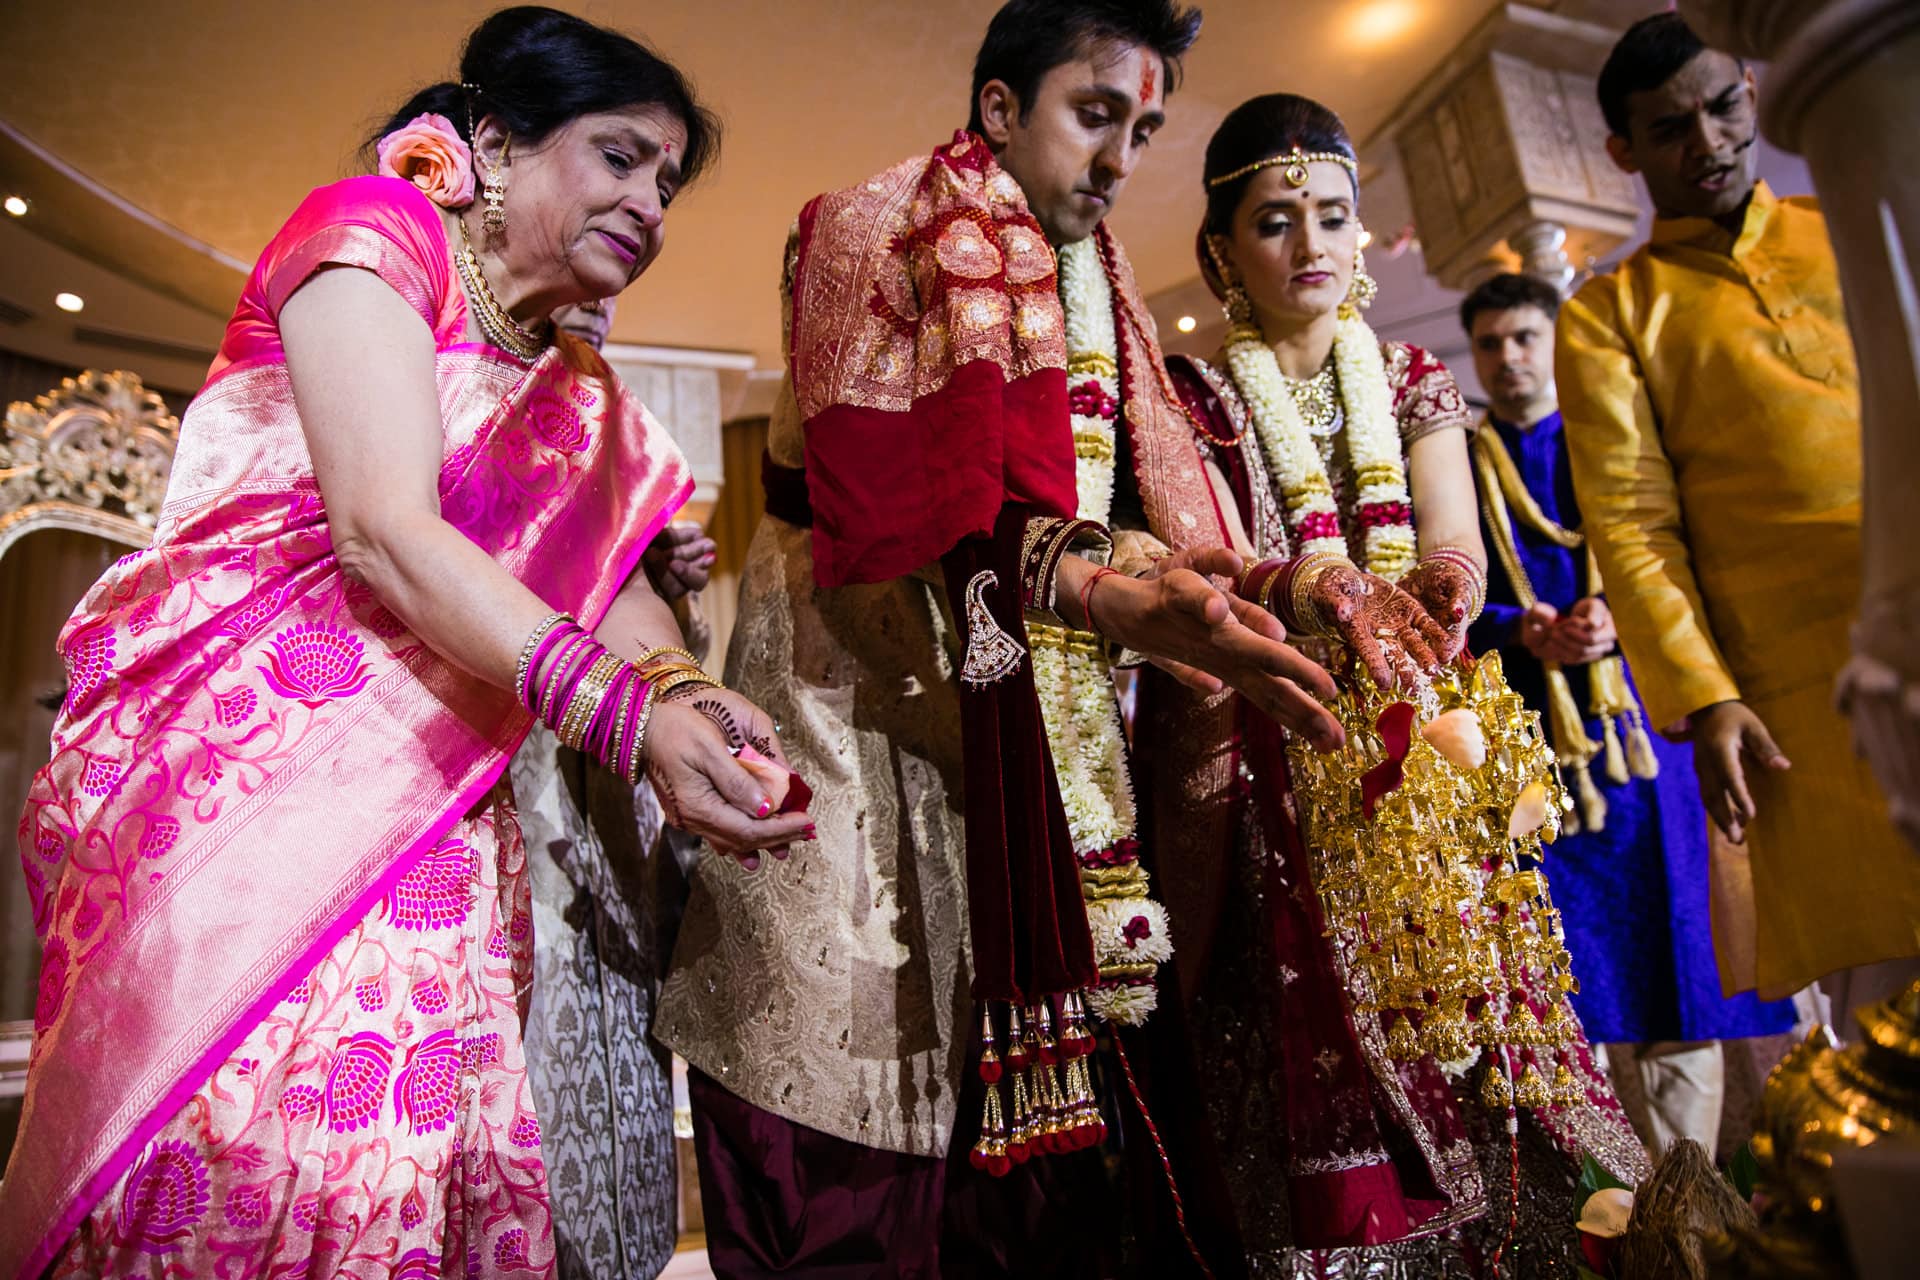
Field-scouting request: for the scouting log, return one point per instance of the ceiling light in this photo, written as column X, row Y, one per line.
column 68, row 301
column 1186, row 324
column 15, row 205
column 1369, row 26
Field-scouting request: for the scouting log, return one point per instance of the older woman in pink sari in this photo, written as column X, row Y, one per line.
column 274, row 859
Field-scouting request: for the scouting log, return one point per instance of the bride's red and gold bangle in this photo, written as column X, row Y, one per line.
column 1293, row 593
column 1464, row 560
column 1256, row 580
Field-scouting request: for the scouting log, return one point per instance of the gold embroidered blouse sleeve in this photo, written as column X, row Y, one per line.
column 1631, row 507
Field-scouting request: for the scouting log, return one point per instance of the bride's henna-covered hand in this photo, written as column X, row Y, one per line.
column 694, row 747
column 1386, row 628
column 1446, row 591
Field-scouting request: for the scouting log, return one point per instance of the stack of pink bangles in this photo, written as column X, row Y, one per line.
column 593, row 699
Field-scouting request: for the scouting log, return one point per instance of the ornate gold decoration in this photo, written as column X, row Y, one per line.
column 93, row 455
column 1822, row 1100
column 1447, row 928
column 1318, row 400
column 1296, row 162
column 992, row 654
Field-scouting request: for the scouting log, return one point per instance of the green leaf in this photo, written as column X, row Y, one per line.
column 1592, row 1178
column 1743, row 1171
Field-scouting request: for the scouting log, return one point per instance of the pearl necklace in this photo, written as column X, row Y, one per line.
column 501, row 329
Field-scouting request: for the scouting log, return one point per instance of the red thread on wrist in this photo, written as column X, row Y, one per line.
column 1086, row 593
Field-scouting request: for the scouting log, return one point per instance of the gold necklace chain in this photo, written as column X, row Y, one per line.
column 501, row 329
column 1318, row 400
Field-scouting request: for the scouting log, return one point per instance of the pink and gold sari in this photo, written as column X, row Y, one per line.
column 274, row 864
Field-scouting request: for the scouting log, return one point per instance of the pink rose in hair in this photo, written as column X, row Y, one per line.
column 428, row 153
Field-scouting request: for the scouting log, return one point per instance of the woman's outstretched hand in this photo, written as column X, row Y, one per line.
column 701, row 759
column 1208, row 639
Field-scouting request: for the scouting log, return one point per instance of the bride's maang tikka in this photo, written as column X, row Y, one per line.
column 1296, row 162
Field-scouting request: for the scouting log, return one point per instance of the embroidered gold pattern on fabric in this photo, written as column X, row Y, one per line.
column 992, row 654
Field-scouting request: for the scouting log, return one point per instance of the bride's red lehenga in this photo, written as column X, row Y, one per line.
column 1298, row 1146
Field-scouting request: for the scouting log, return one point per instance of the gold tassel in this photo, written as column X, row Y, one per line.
column 1616, row 758
column 1593, row 805
column 1574, row 749
column 1640, row 757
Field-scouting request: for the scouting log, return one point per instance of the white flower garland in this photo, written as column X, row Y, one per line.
column 1077, row 700
column 1093, row 356
column 1373, row 445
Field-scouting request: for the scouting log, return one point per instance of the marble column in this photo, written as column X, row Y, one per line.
column 1504, row 153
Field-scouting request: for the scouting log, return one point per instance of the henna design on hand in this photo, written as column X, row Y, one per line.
column 723, row 719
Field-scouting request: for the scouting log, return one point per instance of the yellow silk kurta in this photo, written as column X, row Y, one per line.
column 1712, row 406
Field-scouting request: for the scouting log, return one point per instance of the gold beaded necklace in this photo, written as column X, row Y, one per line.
column 501, row 329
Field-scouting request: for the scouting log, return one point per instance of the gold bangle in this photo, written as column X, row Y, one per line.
column 655, row 652
column 562, row 662
column 648, row 702
column 1316, row 565
column 681, row 678
column 586, row 700
column 522, row 670
column 620, row 720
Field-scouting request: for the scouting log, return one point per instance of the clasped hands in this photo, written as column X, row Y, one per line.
column 1584, row 633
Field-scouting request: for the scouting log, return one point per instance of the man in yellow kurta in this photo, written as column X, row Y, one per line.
column 1712, row 415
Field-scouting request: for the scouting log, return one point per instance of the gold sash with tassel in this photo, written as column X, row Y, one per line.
column 1503, row 494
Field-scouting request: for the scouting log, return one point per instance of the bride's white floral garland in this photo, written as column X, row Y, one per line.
column 1384, row 508
column 1075, row 685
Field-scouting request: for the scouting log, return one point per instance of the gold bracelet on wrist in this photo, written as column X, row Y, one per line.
column 587, row 696
column 570, row 651
column 658, row 651
column 1304, row 577
column 683, row 679
column 522, row 670
column 648, row 701
column 622, row 715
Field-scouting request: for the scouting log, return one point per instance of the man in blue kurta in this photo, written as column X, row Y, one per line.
column 1631, row 877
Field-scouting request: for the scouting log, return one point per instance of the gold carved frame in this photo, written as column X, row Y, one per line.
column 92, row 456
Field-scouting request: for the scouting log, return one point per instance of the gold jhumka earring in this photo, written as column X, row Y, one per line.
column 1361, row 291
column 1237, row 307
column 494, row 192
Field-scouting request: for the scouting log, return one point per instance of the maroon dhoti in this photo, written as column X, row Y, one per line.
column 784, row 1200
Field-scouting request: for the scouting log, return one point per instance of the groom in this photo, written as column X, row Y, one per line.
column 826, row 1001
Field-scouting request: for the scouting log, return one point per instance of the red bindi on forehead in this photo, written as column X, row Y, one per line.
column 1147, row 72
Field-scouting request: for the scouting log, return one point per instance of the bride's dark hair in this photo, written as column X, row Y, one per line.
column 1258, row 128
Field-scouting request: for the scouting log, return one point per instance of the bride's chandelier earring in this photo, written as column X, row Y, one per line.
column 1363, row 289
column 1236, row 305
